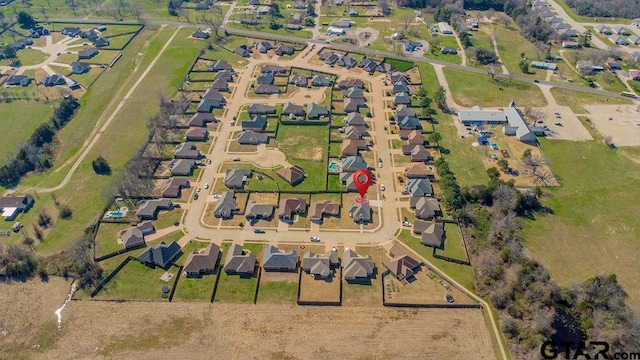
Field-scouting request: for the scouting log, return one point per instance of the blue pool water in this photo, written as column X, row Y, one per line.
column 333, row 166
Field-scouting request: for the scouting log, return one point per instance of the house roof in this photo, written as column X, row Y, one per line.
column 292, row 175
column 409, row 122
column 266, row 78
column 418, row 171
column 261, row 109
column 433, row 235
column 353, row 92
column 236, row 178
column 160, row 255
column 88, row 53
column 351, row 147
column 315, row 111
column 354, row 118
column 353, row 163
column 402, row 98
column 350, row 83
column 291, row 206
column 257, row 123
column 321, row 80
column 220, row 65
column 252, row 138
column 150, row 208
column 319, row 209
column 299, row 80
column 400, row 87
column 290, row 108
column 354, row 132
column 401, row 264
column 317, row 264
column 355, row 266
column 354, row 104
column 285, row 49
column 239, row 261
column 267, row 89
column 426, row 207
column 196, row 133
column 256, row 210
column 275, row 259
column 182, row 166
column 186, row 150
column 360, row 212
column 19, row 202
column 172, row 187
column 134, row 236
column 201, row 119
column 419, row 187
column 204, row 261
column 403, row 110
column 273, row 69
column 226, row 205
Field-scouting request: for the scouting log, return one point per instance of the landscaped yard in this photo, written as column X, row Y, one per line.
column 470, row 89
column 137, row 282
column 195, row 289
column 107, row 238
column 233, row 288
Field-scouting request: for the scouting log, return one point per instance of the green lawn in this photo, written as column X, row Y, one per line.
column 31, row 57
column 194, row 289
column 586, row 19
column 280, row 292
column 107, row 238
column 233, row 288
column 595, row 217
column 307, row 146
column 89, row 77
column 469, row 89
column 22, row 117
column 168, row 219
column 136, row 282
column 575, row 99
column 511, row 44
column 401, row 65
column 453, row 246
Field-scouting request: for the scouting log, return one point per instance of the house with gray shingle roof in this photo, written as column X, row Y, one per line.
column 299, row 80
column 433, row 235
column 266, row 89
column 426, row 208
column 361, row 212
column 419, row 187
column 239, row 261
column 291, row 207
column 257, row 123
column 266, row 78
column 402, row 99
column 353, row 93
column 321, row 80
column 276, row 260
column 236, row 178
column 182, row 167
column 186, row 150
column 259, row 211
column 353, row 163
column 226, row 206
column 161, row 255
column 354, row 119
column 220, row 65
column 320, row 266
column 356, row 268
column 315, row 111
column 133, row 237
column 252, row 138
column 352, row 105
column 293, row 109
column 409, row 123
column 259, row 109
column 149, row 209
column 198, row 264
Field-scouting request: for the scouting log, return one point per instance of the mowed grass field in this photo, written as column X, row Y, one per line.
column 306, row 146
column 575, row 99
column 594, row 228
column 469, row 89
column 19, row 119
column 84, row 192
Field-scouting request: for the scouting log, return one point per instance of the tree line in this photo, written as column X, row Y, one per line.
column 37, row 153
column 611, row 8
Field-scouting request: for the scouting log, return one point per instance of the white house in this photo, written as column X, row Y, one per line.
column 445, row 28
column 335, row 31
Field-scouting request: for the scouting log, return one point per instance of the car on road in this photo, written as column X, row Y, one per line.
column 206, row 185
column 236, row 159
column 382, row 187
column 536, row 81
column 198, row 189
column 233, row 122
column 449, row 298
column 406, row 224
column 558, row 123
column 209, row 162
column 195, row 196
column 258, row 231
column 314, row 238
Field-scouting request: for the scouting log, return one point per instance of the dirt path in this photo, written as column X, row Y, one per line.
column 495, row 48
column 462, row 52
column 87, row 147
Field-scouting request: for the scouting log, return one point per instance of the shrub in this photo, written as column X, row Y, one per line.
column 65, row 212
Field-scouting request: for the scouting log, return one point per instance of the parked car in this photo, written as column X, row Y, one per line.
column 314, row 239
column 406, row 224
column 258, row 231
column 206, row 185
column 198, row 189
column 195, row 196
column 209, row 162
column 558, row 123
column 236, row 159
column 381, row 187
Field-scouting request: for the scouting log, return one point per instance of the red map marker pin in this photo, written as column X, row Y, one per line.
column 362, row 179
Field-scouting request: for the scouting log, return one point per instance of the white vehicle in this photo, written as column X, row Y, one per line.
column 198, row 189
column 406, row 224
column 233, row 122
column 381, row 187
column 206, row 185
column 314, row 239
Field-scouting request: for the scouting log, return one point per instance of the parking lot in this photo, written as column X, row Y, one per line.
column 621, row 122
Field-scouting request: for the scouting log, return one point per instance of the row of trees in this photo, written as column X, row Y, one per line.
column 36, row 154
column 611, row 8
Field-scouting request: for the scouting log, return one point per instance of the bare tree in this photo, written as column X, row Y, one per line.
column 542, row 177
column 215, row 21
column 384, row 6
column 405, row 22
column 136, row 11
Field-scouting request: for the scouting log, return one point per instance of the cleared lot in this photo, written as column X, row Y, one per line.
column 623, row 126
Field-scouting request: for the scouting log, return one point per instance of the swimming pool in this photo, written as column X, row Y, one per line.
column 333, row 166
column 117, row 214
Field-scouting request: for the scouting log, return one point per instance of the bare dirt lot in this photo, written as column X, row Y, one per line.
column 624, row 126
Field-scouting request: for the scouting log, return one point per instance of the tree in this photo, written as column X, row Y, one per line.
column 503, row 165
column 440, row 97
column 405, row 22
column 65, row 212
column 9, row 52
column 101, row 166
column 524, row 66
column 44, row 220
column 274, row 10
column 493, row 173
column 434, row 137
column 25, row 20
column 485, row 56
column 136, row 11
column 526, row 154
column 384, row 7
column 442, row 14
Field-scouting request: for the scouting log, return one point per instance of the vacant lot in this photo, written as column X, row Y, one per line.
column 469, row 89
column 22, row 117
column 596, row 217
column 576, row 99
column 278, row 287
column 321, row 289
column 137, row 282
column 306, row 146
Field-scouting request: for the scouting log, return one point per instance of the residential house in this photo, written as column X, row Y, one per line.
column 320, row 266
column 276, row 260
column 634, row 39
column 444, row 28
column 352, row 147
column 243, row 50
column 356, row 268
column 264, row 46
column 341, row 24
column 226, row 206
column 90, row 34
column 207, row 105
column 18, row 80
column 201, row 6
column 71, row 31
column 291, row 207
column 352, row 105
column 544, row 65
column 618, row 40
column 398, row 76
column 293, row 110
column 354, row 119
column 293, row 175
column 294, row 27
column 213, row 94
column 347, row 62
column 417, row 152
column 100, row 42
column 263, row 10
column 426, row 208
column 355, row 132
column 353, row 93
column 613, row 65
column 332, row 30
column 353, row 12
column 315, row 111
column 323, row 208
column 401, row 265
column 87, row 53
column 368, row 65
column 284, row 50
column 570, row 44
column 402, row 98
column 273, row 69
column 386, row 68
column 473, row 22
column 38, row 31
column 409, row 123
column 297, row 18
column 197, row 134
column 182, row 167
column 361, row 213
column 266, row 89
column 404, row 110
column 133, row 237
column 248, row 21
column 220, row 85
column 12, row 205
column 149, row 209
column 332, row 59
column 299, row 80
column 53, row 80
column 321, row 80
column 220, row 65
column 259, row 109
column 419, row 187
column 237, row 178
column 400, row 87
column 433, row 235
column 224, row 75
column 161, row 255
column 252, row 138
column 200, row 34
column 257, row 123
column 603, row 29
column 255, row 211
column 186, row 150
column 621, row 30
column 172, row 188
column 351, row 83
column 412, row 46
column 353, row 163
column 416, row 138
column 265, row 79
column 239, row 261
column 198, row 264
column 448, row 50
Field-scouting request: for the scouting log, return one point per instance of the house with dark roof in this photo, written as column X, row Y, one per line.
column 198, row 264
column 100, row 42
column 239, row 261
column 18, row 80
column 285, row 50
column 90, row 34
column 264, row 46
column 133, row 237
column 236, row 178
column 402, row 98
column 200, row 34
column 182, row 167
column 226, row 206
column 398, row 76
column 432, row 233
column 323, row 208
column 293, row 110
column 341, row 24
column 71, row 31
column 354, row 119
column 299, row 80
column 412, row 46
column 315, row 111
column 404, row 110
column 259, row 109
column 353, row 163
column 352, row 105
column 220, row 85
column 53, row 80
column 38, row 31
column 386, row 68
column 353, row 93
column 346, row 62
column 320, row 266
column 355, row 132
column 288, row 208
column 243, row 50
column 213, row 94
column 161, row 255
column 416, row 138
column 293, row 175
column 252, row 138
column 257, row 211
column 248, row 21
column 401, row 265
column 368, row 65
column 418, row 153
column 350, row 83
column 276, row 260
column 273, row 69
column 149, row 209
column 22, row 43
column 419, row 171
column 224, row 75
column 356, row 268
column 87, row 53
column 172, row 188
column 426, row 208
column 332, row 59
column 419, row 187
column 321, row 80
column 220, row 65
column 257, row 123
column 186, row 150
column 197, row 134
column 266, row 78
column 207, row 105
column 409, row 122
column 266, row 89
column 12, row 205
column 361, row 213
